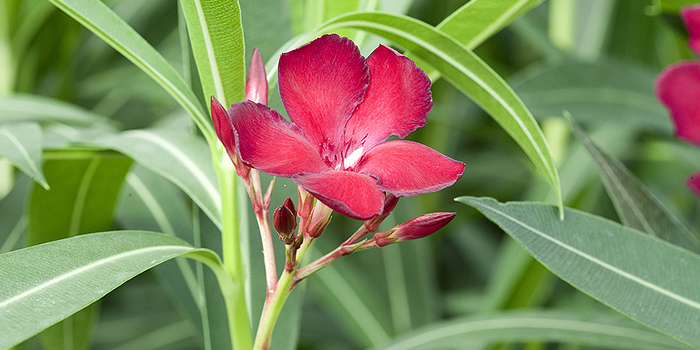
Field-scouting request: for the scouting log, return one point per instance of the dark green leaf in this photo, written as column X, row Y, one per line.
column 609, row 262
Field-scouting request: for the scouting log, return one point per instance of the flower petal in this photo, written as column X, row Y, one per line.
column 396, row 102
column 349, row 193
column 321, row 83
column 678, row 88
column 271, row 144
column 691, row 17
column 407, row 168
column 693, row 183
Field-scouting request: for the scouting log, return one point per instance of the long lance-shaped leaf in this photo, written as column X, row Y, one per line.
column 468, row 73
column 102, row 21
column 20, row 143
column 18, row 107
column 177, row 156
column 216, row 36
column 647, row 279
column 594, row 330
column 46, row 283
column 478, row 20
column 637, row 207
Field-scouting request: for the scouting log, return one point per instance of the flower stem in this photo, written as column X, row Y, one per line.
column 273, row 305
column 236, row 306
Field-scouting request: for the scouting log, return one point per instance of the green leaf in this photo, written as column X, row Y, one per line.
column 84, row 189
column 468, row 73
column 594, row 92
column 20, row 143
column 46, row 283
column 590, row 330
column 609, row 262
column 267, row 30
column 102, row 21
column 478, row 20
column 216, row 36
column 635, row 205
column 16, row 108
column 176, row 155
column 14, row 221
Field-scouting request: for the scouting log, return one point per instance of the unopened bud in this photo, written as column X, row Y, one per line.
column 390, row 201
column 320, row 218
column 284, row 221
column 226, row 134
column 306, row 203
column 419, row 227
column 256, row 82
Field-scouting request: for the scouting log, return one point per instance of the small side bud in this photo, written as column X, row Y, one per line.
column 306, row 203
column 227, row 136
column 419, row 227
column 256, row 82
column 320, row 218
column 284, row 221
column 390, row 201
column 289, row 204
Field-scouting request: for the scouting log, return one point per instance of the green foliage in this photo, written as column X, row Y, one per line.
column 75, row 114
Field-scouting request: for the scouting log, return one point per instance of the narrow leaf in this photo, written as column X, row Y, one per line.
column 16, row 108
column 609, row 262
column 597, row 331
column 637, row 207
column 468, row 73
column 216, row 36
column 101, row 20
column 20, row 143
column 478, row 20
column 85, row 185
column 176, row 155
column 46, row 283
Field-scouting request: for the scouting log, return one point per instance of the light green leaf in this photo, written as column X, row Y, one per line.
column 17, row 108
column 609, row 262
column 465, row 71
column 635, row 205
column 84, row 189
column 478, row 20
column 176, row 155
column 20, row 143
column 102, row 21
column 594, row 330
column 216, row 36
column 46, row 283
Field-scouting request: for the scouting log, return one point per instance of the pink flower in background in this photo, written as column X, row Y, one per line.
column 678, row 88
column 343, row 108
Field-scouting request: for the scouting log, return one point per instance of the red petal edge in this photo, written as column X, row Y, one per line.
column 691, row 17
column 269, row 143
column 406, row 168
column 397, row 100
column 678, row 88
column 351, row 194
column 321, row 83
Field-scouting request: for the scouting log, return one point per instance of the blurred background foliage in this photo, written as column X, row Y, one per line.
column 597, row 59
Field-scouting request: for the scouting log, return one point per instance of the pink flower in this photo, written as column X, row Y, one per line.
column 678, row 88
column 343, row 108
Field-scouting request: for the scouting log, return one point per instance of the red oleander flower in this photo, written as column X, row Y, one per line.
column 342, row 109
column 678, row 88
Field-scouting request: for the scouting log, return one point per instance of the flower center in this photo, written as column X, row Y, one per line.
column 350, row 160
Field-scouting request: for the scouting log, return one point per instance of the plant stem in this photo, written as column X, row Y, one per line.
column 273, row 305
column 236, row 306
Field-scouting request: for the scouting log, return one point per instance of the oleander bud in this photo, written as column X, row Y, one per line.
column 284, row 220
column 419, row 227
